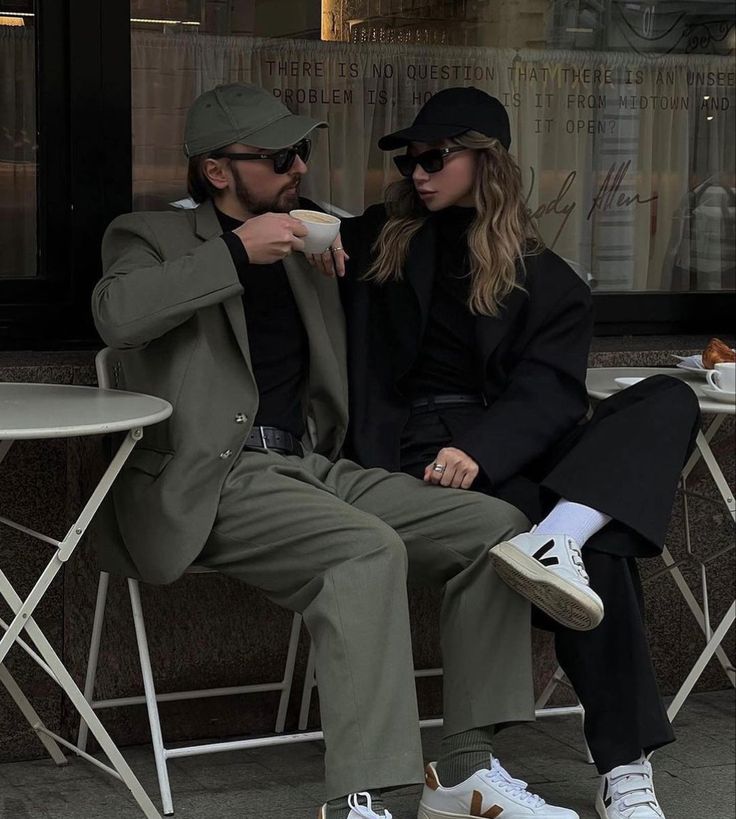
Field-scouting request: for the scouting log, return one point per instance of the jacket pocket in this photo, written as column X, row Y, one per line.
column 150, row 461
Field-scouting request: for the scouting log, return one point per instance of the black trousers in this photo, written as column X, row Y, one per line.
column 624, row 461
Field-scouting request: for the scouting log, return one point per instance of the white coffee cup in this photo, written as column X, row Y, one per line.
column 723, row 377
column 322, row 227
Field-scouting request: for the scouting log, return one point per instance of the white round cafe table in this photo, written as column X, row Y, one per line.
column 41, row 411
column 65, row 411
column 600, row 384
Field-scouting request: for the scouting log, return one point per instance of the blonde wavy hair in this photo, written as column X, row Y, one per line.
column 498, row 238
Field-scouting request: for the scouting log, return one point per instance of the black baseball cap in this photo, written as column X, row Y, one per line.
column 451, row 112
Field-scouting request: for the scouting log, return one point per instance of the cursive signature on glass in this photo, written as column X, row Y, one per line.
column 554, row 205
column 609, row 195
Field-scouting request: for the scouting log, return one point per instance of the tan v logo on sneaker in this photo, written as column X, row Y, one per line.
column 476, row 806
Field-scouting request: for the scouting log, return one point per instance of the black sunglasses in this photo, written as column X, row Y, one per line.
column 431, row 161
column 282, row 160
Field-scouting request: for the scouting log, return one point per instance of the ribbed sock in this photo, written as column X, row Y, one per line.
column 338, row 808
column 461, row 755
column 574, row 520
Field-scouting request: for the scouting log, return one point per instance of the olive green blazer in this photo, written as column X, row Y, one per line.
column 170, row 301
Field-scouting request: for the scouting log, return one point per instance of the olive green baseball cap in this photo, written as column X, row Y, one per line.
column 245, row 113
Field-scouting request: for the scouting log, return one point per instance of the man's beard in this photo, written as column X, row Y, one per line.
column 256, row 205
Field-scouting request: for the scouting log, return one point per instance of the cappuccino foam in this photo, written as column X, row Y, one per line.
column 314, row 216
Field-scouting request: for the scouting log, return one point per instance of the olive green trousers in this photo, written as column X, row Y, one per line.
column 338, row 543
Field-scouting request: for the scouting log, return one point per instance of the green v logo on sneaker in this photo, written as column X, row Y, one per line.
column 476, row 806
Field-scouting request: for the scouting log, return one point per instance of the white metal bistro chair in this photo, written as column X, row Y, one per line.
column 109, row 376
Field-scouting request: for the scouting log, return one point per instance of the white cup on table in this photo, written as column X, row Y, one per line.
column 323, row 229
column 723, row 377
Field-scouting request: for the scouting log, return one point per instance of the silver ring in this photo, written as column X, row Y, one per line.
column 335, row 248
column 439, row 468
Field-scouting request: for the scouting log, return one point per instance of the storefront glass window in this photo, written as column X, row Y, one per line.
column 622, row 113
column 18, row 145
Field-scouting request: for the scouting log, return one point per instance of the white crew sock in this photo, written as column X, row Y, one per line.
column 574, row 520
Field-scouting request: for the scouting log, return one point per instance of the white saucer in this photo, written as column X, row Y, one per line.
column 628, row 381
column 719, row 395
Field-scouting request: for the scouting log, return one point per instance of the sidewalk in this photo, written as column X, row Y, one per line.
column 694, row 777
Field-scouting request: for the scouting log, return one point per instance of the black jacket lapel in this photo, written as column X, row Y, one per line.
column 207, row 226
column 490, row 331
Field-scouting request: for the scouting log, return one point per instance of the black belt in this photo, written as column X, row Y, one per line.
column 273, row 438
column 432, row 401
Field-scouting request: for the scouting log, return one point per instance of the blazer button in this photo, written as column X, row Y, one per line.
column 226, row 454
column 241, row 418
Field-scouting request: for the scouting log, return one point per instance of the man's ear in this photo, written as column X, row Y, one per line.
column 218, row 172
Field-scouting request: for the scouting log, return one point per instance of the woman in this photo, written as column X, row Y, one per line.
column 468, row 349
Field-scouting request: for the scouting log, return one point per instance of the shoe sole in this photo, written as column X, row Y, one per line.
column 426, row 812
column 431, row 813
column 548, row 592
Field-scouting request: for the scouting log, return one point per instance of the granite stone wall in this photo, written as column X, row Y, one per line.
column 209, row 631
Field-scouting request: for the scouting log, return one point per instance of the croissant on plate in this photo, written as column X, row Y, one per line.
column 717, row 352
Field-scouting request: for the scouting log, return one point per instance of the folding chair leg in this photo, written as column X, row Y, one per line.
column 309, row 683
column 94, row 653
column 542, row 710
column 58, row 672
column 549, row 689
column 30, row 714
column 296, row 625
column 710, row 649
column 150, row 694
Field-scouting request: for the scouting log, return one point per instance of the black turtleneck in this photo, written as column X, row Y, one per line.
column 276, row 336
column 447, row 361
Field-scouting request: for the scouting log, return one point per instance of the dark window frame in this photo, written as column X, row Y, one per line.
column 85, row 180
column 84, row 174
column 662, row 313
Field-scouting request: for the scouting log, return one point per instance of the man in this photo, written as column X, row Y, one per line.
column 219, row 313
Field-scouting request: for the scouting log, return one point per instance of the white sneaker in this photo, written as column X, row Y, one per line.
column 361, row 807
column 488, row 793
column 627, row 792
column 548, row 570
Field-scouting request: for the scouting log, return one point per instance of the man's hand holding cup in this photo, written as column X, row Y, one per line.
column 270, row 237
column 322, row 245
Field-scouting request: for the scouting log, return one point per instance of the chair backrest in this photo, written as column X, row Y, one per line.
column 109, row 370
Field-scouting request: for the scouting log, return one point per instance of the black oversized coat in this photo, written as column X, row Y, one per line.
column 531, row 359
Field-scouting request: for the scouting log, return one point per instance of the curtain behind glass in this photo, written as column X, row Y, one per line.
column 628, row 178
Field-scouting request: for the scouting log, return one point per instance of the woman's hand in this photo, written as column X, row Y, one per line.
column 331, row 263
column 458, row 470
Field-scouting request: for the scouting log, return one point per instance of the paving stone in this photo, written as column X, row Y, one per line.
column 694, row 777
